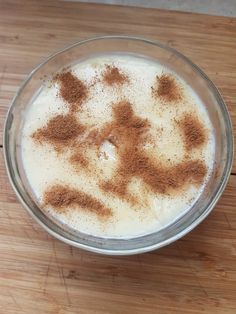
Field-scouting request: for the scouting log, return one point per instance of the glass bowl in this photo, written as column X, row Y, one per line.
column 186, row 70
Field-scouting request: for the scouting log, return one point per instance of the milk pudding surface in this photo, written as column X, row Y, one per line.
column 116, row 146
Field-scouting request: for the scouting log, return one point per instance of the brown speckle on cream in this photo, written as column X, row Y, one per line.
column 167, row 88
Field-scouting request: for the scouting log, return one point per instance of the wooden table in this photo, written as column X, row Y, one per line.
column 39, row 274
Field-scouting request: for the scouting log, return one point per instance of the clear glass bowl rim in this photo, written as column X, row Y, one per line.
column 221, row 186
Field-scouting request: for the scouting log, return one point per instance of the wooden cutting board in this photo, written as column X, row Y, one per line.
column 39, row 274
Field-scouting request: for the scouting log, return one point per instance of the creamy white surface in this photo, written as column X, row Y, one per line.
column 43, row 167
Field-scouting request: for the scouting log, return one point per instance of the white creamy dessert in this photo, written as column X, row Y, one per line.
column 117, row 146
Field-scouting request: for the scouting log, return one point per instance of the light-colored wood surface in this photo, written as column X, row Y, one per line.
column 39, row 274
column 31, row 30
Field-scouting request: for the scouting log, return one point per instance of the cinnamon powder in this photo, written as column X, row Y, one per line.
column 77, row 158
column 61, row 197
column 72, row 90
column 194, row 133
column 167, row 88
column 60, row 131
column 127, row 133
column 113, row 76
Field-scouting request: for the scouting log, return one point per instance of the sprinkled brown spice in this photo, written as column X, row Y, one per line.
column 115, row 187
column 60, row 131
column 113, row 76
column 61, row 197
column 167, row 88
column 72, row 90
column 78, row 159
column 126, row 127
column 193, row 131
column 126, row 132
column 163, row 179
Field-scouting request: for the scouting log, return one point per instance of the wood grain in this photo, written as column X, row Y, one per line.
column 31, row 30
column 39, row 274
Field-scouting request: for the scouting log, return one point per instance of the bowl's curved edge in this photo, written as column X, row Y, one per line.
column 147, row 248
